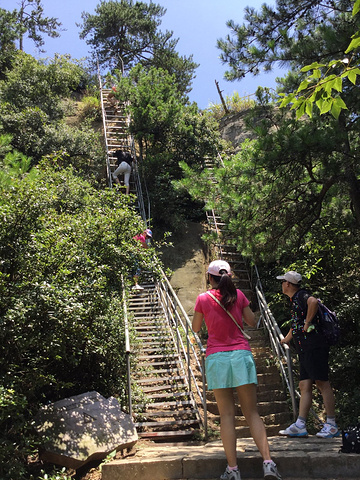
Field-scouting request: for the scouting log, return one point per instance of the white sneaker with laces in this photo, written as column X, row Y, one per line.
column 270, row 471
column 328, row 431
column 137, row 287
column 231, row 475
column 294, row 431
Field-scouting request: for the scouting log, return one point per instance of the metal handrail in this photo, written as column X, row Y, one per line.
column 189, row 346
column 127, row 345
column 103, row 115
column 280, row 351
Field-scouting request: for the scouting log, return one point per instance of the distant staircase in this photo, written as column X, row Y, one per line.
column 163, row 405
column 117, row 136
column 272, row 399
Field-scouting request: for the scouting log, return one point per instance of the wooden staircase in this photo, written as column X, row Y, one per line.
column 116, row 126
column 163, row 405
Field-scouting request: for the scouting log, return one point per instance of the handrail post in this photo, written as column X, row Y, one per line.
column 291, row 382
column 127, row 347
column 204, row 394
column 188, row 354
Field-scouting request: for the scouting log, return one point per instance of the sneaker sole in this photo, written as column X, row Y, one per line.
column 294, row 434
column 337, row 434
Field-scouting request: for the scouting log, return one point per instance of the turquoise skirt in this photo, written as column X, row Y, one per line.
column 230, row 369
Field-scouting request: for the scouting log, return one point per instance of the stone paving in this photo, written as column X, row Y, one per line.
column 297, row 458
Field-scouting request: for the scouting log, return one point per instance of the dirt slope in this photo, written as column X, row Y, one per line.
column 188, row 262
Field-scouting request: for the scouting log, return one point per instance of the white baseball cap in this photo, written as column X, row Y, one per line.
column 217, row 265
column 292, row 277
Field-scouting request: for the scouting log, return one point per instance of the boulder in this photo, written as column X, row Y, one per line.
column 83, row 428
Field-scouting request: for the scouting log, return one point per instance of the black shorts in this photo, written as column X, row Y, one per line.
column 314, row 364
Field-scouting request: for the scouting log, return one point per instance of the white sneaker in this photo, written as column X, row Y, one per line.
column 137, row 287
column 328, row 431
column 294, row 431
column 270, row 471
column 231, row 475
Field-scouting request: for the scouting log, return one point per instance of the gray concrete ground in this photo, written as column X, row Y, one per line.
column 297, row 458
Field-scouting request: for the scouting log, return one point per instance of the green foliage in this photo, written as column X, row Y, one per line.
column 34, row 84
column 289, row 34
column 8, row 35
column 234, row 103
column 90, row 107
column 155, row 103
column 32, row 112
column 34, row 24
column 168, row 131
column 64, row 248
column 122, row 33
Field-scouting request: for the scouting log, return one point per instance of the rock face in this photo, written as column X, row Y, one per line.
column 234, row 130
column 83, row 428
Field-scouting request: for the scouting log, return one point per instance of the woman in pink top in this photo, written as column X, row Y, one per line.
column 230, row 364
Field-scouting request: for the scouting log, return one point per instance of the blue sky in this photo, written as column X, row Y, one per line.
column 197, row 23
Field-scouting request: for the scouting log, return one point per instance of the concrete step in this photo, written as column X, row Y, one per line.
column 296, row 458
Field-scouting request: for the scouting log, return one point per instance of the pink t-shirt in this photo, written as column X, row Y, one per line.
column 224, row 335
column 141, row 238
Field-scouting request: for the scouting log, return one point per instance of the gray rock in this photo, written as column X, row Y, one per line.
column 83, row 428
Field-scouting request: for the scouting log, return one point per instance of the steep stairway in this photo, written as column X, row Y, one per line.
column 163, row 405
column 272, row 399
column 116, row 131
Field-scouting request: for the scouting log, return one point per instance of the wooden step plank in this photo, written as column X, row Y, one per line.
column 175, row 403
column 173, row 395
column 164, row 435
column 157, row 379
column 165, row 387
column 169, row 413
column 166, row 423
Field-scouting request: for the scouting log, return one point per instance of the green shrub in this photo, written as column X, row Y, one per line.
column 90, row 108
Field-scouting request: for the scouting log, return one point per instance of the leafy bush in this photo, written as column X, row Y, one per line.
column 64, row 248
column 90, row 107
column 234, row 103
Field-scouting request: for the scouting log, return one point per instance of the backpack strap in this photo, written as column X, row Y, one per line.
column 230, row 315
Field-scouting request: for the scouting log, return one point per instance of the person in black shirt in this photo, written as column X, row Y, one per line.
column 124, row 162
column 313, row 353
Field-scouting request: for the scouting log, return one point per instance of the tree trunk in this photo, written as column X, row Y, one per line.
column 221, row 97
column 350, row 175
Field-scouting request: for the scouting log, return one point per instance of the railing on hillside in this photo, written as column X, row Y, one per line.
column 280, row 352
column 189, row 346
column 127, row 346
column 135, row 170
column 103, row 116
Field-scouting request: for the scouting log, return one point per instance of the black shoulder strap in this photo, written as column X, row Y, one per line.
column 302, row 296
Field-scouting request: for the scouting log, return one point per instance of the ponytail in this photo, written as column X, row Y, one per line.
column 226, row 288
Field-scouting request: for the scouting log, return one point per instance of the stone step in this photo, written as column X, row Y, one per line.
column 297, row 459
column 264, row 408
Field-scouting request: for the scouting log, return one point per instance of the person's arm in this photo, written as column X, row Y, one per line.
column 249, row 316
column 197, row 321
column 288, row 337
column 312, row 308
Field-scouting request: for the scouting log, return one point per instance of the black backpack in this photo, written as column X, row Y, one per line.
column 326, row 321
column 328, row 324
column 351, row 439
column 123, row 157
